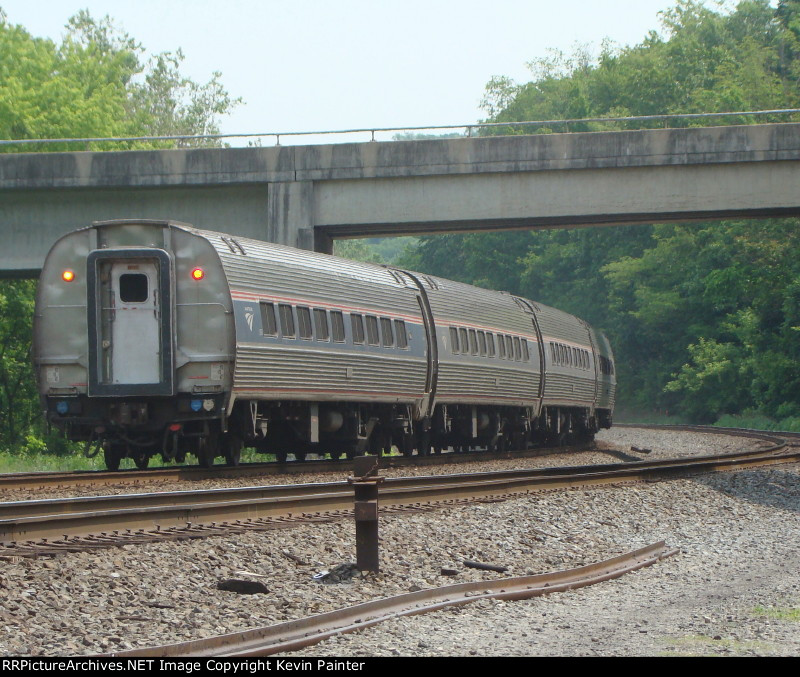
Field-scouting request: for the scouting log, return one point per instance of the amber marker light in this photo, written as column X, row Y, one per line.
column 198, row 274
column 68, row 276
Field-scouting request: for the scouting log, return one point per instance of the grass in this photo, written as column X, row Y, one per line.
column 45, row 462
column 791, row 614
column 751, row 420
column 702, row 645
column 759, row 422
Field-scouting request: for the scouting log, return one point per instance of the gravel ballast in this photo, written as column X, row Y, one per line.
column 733, row 589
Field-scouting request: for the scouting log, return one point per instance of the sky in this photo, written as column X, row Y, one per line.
column 309, row 65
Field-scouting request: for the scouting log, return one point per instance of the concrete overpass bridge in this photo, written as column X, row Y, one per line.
column 307, row 196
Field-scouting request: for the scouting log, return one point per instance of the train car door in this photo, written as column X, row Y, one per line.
column 130, row 294
column 135, row 330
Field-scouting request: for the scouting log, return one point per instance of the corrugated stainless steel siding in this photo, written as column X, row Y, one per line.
column 277, row 372
column 472, row 383
column 578, row 389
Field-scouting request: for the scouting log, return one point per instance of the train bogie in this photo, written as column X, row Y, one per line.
column 155, row 338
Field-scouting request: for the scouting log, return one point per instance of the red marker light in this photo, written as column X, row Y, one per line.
column 198, row 274
column 68, row 276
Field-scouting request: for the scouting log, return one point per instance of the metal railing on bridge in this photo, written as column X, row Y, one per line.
column 631, row 123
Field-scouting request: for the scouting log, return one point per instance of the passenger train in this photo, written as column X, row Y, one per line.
column 157, row 338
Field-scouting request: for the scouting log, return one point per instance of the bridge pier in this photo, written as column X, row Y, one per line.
column 290, row 217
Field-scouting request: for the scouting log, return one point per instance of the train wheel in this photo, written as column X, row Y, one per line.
column 141, row 459
column 407, row 445
column 386, row 443
column 425, row 444
column 232, row 450
column 207, row 448
column 300, row 456
column 335, row 455
column 113, row 455
column 281, row 456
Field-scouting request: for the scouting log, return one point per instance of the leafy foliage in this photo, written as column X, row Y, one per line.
column 94, row 84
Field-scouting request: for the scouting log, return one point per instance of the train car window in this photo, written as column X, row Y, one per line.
column 575, row 356
column 526, row 356
column 287, row 320
column 269, row 325
column 304, row 322
column 454, row 340
column 387, row 336
column 463, row 340
column 517, row 349
column 510, row 347
column 133, row 288
column 482, row 342
column 400, row 332
column 473, row 342
column 553, row 352
column 321, row 324
column 490, row 343
column 337, row 325
column 501, row 347
column 357, row 323
column 372, row 330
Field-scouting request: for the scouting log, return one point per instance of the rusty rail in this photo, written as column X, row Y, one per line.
column 297, row 634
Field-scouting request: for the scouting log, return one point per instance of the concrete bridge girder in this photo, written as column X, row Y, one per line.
column 306, row 195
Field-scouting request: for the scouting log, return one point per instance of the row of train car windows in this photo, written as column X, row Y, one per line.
column 566, row 356
column 368, row 329
column 473, row 342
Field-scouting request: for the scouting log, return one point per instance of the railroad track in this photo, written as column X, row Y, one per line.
column 29, row 528
column 136, row 478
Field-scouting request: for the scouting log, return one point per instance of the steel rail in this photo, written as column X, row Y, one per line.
column 308, row 631
column 57, row 518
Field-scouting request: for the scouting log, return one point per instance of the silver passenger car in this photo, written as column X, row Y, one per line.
column 153, row 337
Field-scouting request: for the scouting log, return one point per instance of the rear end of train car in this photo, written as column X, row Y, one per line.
column 134, row 340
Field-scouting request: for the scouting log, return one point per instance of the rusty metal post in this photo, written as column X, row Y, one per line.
column 365, row 483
